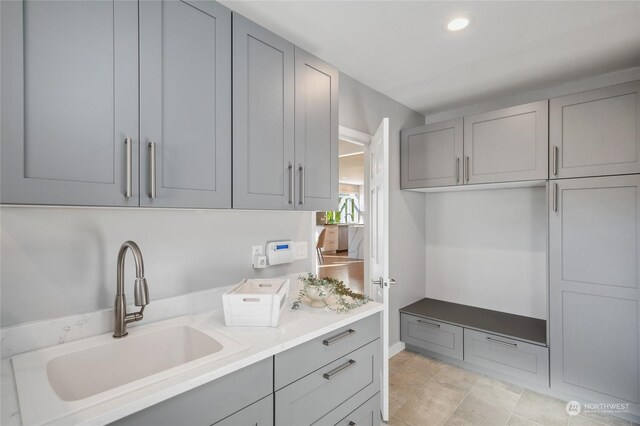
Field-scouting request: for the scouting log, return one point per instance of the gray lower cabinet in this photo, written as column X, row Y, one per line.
column 316, row 133
column 596, row 133
column 257, row 414
column 264, row 170
column 216, row 401
column 594, row 236
column 69, row 102
column 185, row 104
column 507, row 145
column 310, row 356
column 432, row 335
column 368, row 414
column 508, row 356
column 328, row 394
column 431, row 155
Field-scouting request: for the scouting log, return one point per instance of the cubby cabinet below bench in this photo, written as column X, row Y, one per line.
column 511, row 345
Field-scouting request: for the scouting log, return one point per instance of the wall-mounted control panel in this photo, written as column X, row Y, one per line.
column 279, row 252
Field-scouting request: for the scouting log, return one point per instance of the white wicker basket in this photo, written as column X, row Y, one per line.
column 255, row 302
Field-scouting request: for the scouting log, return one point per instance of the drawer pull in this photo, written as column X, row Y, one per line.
column 331, row 374
column 351, row 423
column 429, row 324
column 500, row 342
column 335, row 339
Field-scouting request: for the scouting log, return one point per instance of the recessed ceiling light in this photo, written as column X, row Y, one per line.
column 458, row 23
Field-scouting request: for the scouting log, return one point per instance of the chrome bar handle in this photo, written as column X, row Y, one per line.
column 429, row 324
column 301, row 170
column 335, row 339
column 291, row 179
column 555, row 196
column 152, row 170
column 554, row 161
column 128, row 190
column 466, row 167
column 500, row 342
column 331, row 374
column 457, row 169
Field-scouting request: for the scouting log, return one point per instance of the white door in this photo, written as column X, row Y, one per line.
column 379, row 248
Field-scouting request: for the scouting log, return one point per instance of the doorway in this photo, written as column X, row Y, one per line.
column 343, row 251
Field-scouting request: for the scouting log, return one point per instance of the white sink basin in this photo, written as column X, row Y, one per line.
column 84, row 373
column 56, row 382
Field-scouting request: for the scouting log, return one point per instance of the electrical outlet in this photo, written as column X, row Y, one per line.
column 256, row 251
column 300, row 250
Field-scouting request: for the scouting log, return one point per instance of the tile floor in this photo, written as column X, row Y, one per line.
column 425, row 391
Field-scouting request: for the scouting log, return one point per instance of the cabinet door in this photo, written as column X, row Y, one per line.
column 507, row 145
column 216, row 401
column 69, row 102
column 594, row 288
column 431, row 155
column 316, row 124
column 257, row 414
column 185, row 104
column 596, row 133
column 263, row 116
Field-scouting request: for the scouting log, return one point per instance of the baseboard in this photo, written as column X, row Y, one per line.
column 396, row 348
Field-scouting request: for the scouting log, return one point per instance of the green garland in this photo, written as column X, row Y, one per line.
column 345, row 299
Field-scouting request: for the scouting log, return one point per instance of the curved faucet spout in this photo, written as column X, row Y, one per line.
column 141, row 290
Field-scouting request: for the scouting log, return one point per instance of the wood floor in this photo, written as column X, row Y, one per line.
column 350, row 271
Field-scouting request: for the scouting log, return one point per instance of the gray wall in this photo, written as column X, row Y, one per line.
column 62, row 261
column 362, row 109
column 495, row 258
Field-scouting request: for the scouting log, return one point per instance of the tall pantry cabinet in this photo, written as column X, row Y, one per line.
column 594, row 238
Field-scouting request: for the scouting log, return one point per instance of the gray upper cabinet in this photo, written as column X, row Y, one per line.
column 594, row 235
column 507, row 145
column 69, row 101
column 263, row 118
column 596, row 133
column 316, row 133
column 185, row 104
column 431, row 155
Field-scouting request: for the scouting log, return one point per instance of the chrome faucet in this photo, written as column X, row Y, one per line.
column 140, row 291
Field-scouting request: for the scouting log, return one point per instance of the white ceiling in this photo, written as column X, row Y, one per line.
column 400, row 48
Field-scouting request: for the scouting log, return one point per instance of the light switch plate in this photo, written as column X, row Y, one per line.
column 256, row 251
column 300, row 250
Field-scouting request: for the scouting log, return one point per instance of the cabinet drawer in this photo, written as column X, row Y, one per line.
column 303, row 359
column 368, row 414
column 331, row 231
column 211, row 402
column 508, row 356
column 344, row 384
column 434, row 336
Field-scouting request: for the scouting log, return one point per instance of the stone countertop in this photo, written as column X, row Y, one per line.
column 296, row 327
